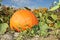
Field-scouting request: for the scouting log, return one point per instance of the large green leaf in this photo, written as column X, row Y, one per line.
column 43, row 29
column 3, row 27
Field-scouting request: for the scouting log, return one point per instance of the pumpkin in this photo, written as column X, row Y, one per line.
column 23, row 19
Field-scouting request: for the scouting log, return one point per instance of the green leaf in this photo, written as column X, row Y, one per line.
column 54, row 16
column 57, row 25
column 48, row 21
column 55, row 7
column 3, row 27
column 40, row 14
column 43, row 29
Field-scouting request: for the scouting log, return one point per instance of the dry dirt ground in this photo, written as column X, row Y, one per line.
column 12, row 36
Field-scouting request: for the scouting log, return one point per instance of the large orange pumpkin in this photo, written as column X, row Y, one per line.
column 23, row 19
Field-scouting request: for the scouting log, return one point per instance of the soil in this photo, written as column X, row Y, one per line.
column 13, row 36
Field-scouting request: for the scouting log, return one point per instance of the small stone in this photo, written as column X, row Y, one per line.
column 37, row 36
column 16, row 34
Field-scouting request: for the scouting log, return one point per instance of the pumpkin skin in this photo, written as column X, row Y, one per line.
column 23, row 19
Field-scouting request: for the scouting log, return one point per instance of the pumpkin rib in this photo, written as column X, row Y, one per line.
column 11, row 27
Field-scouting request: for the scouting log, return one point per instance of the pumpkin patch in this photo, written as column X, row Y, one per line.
column 26, row 23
